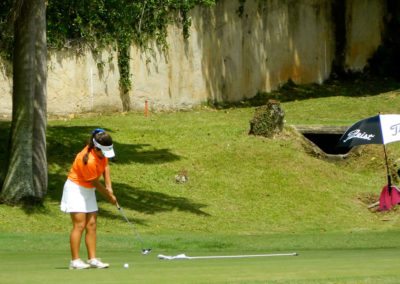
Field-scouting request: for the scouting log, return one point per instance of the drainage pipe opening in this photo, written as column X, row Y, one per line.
column 325, row 138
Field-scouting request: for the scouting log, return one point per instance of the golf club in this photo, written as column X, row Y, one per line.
column 183, row 256
column 145, row 251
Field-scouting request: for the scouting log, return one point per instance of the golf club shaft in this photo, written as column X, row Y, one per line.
column 131, row 224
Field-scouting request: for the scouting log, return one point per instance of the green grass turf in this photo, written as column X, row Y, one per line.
column 347, row 266
column 245, row 195
column 44, row 258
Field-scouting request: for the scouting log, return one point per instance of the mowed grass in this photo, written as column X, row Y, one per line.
column 42, row 258
column 245, row 195
column 349, row 266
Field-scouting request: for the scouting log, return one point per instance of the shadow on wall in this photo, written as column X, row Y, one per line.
column 264, row 47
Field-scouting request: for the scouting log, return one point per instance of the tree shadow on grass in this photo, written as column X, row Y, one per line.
column 151, row 202
column 64, row 142
column 351, row 85
column 136, row 199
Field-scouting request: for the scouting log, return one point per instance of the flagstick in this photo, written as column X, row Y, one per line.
column 387, row 170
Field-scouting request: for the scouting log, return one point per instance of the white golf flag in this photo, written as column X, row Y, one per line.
column 390, row 124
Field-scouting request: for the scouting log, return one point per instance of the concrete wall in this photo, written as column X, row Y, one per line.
column 226, row 57
column 5, row 91
column 77, row 84
column 364, row 31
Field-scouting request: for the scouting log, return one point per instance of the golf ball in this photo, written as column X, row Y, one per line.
column 126, row 265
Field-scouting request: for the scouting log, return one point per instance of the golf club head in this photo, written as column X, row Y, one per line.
column 146, row 251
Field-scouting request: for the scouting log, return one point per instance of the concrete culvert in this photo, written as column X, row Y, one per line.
column 325, row 138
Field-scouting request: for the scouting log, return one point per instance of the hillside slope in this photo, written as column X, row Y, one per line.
column 238, row 184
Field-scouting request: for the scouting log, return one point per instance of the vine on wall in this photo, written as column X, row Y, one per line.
column 102, row 23
column 240, row 9
column 5, row 30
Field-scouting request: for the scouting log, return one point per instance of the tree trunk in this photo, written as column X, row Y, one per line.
column 26, row 176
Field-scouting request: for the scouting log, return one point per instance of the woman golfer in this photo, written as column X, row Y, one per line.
column 79, row 197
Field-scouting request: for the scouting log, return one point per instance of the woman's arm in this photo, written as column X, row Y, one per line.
column 107, row 193
column 107, row 178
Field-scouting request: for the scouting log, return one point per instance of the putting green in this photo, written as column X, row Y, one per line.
column 322, row 266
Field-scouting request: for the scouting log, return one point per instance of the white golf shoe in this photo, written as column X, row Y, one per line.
column 96, row 263
column 78, row 264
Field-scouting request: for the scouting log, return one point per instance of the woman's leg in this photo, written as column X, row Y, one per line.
column 91, row 241
column 78, row 226
column 91, row 224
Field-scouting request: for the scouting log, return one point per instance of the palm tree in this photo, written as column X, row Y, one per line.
column 25, row 177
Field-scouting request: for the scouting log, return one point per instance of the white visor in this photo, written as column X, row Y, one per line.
column 108, row 151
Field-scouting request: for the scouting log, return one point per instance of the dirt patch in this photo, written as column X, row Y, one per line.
column 368, row 198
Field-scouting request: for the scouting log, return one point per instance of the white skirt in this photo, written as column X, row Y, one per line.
column 77, row 198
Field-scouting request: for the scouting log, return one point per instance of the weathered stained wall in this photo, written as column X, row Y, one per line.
column 227, row 57
column 364, row 20
column 269, row 44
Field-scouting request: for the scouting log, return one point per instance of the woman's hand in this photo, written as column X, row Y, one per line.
column 112, row 198
column 106, row 192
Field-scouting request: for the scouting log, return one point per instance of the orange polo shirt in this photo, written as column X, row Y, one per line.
column 83, row 174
